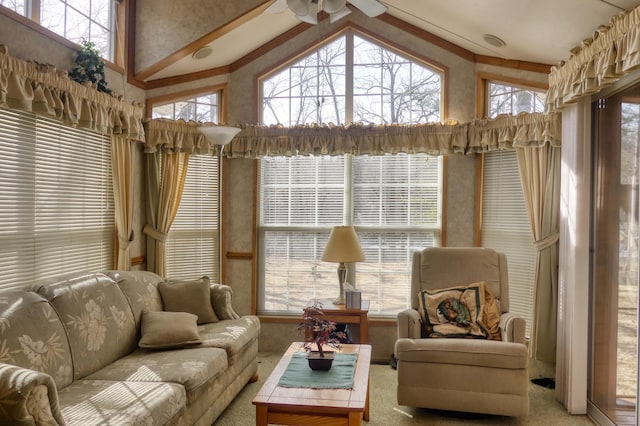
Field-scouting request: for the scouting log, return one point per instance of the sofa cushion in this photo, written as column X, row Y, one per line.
column 189, row 296
column 141, row 290
column 38, row 345
column 231, row 335
column 464, row 352
column 190, row 368
column 97, row 319
column 122, row 403
column 164, row 330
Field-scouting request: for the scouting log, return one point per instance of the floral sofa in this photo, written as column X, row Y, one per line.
column 70, row 353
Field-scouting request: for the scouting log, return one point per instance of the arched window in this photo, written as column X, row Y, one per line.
column 394, row 201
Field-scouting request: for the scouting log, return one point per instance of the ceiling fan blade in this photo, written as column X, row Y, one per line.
column 278, row 6
column 371, row 8
column 339, row 15
column 310, row 18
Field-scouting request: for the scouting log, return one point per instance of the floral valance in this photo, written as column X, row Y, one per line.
column 612, row 52
column 504, row 132
column 43, row 90
column 177, row 136
column 435, row 139
column 519, row 131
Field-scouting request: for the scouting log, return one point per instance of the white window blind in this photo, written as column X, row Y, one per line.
column 393, row 201
column 193, row 241
column 506, row 228
column 56, row 200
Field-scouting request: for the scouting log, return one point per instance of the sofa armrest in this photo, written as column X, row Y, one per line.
column 221, row 296
column 409, row 324
column 28, row 397
column 512, row 328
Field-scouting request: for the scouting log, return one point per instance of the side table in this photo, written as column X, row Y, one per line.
column 340, row 314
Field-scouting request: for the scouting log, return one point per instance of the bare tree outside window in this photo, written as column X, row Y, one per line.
column 509, row 99
column 75, row 20
column 201, row 109
column 387, row 88
column 18, row 6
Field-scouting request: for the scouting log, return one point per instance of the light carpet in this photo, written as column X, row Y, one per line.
column 384, row 410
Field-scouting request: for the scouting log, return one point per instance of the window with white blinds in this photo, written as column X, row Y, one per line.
column 394, row 202
column 505, row 222
column 506, row 228
column 192, row 243
column 56, row 200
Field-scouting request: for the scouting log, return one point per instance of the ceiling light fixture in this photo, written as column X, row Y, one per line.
column 202, row 53
column 494, row 40
column 307, row 10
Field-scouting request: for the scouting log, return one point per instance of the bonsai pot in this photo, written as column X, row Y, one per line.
column 319, row 363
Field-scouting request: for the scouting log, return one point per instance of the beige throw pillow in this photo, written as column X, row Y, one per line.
column 165, row 330
column 188, row 296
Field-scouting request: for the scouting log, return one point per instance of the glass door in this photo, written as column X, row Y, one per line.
column 614, row 311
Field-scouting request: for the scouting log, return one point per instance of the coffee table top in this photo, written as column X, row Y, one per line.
column 327, row 400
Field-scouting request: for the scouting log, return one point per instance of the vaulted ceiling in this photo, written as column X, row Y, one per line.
column 538, row 32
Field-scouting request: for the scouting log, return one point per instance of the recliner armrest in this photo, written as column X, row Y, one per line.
column 409, row 324
column 512, row 328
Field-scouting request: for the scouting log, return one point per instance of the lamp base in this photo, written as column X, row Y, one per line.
column 339, row 300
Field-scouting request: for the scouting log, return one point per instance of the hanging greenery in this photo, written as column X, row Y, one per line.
column 89, row 67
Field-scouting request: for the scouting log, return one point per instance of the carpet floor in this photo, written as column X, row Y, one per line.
column 384, row 411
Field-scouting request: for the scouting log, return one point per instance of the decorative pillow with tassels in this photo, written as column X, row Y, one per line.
column 459, row 311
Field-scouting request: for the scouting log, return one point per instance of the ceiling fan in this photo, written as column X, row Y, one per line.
column 307, row 10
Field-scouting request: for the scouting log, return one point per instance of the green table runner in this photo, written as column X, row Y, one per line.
column 299, row 375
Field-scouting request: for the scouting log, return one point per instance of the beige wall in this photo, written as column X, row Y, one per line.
column 162, row 22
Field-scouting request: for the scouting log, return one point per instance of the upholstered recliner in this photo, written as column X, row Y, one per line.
column 462, row 374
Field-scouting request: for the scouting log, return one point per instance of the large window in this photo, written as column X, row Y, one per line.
column 56, row 199
column 505, row 222
column 394, row 201
column 193, row 242
column 75, row 20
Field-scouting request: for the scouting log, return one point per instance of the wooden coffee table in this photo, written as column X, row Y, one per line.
column 295, row 406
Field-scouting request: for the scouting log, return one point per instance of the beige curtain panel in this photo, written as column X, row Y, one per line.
column 540, row 178
column 612, row 52
column 121, row 151
column 43, row 90
column 166, row 180
column 177, row 136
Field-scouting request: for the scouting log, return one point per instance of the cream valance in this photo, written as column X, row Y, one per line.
column 519, row 131
column 43, row 90
column 612, row 52
column 504, row 132
column 177, row 136
column 435, row 139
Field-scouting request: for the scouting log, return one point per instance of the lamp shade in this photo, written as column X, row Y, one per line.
column 343, row 246
column 219, row 135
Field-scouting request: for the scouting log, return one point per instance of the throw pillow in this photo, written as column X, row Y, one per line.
column 491, row 315
column 166, row 330
column 188, row 296
column 454, row 311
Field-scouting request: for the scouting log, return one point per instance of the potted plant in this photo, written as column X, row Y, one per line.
column 319, row 333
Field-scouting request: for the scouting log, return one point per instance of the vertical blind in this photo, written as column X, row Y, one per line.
column 506, row 228
column 56, row 200
column 193, row 240
column 394, row 202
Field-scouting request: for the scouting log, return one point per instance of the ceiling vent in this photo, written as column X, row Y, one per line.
column 202, row 53
column 494, row 40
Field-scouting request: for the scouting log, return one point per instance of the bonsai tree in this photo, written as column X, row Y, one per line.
column 319, row 331
column 89, row 67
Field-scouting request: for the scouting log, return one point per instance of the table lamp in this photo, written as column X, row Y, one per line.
column 343, row 247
